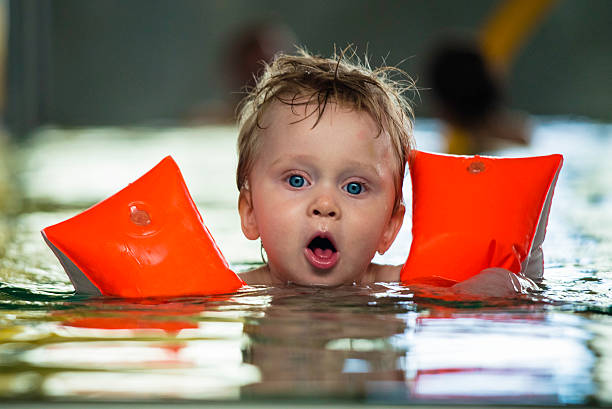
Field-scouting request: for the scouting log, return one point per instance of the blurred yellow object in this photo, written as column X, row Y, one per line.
column 508, row 27
column 459, row 141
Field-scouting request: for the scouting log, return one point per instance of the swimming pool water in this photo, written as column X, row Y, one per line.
column 380, row 344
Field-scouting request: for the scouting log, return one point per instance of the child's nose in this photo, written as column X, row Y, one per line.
column 324, row 206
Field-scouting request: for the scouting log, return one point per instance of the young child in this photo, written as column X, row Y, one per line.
column 323, row 147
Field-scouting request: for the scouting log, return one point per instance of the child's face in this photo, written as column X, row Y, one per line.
column 321, row 198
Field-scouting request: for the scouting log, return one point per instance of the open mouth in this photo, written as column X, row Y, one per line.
column 321, row 252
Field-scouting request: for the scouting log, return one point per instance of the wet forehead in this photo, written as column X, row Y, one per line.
column 344, row 138
column 281, row 120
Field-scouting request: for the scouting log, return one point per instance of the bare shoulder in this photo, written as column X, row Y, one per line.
column 385, row 273
column 258, row 276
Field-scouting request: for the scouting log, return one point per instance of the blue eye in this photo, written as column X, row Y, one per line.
column 296, row 181
column 354, row 188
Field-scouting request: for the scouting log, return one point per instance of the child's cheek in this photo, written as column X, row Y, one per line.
column 279, row 219
column 362, row 228
column 371, row 224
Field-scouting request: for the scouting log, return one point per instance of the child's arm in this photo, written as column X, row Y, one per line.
column 494, row 282
column 490, row 282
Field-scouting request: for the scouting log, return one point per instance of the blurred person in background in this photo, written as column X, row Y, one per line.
column 467, row 76
column 469, row 97
column 244, row 54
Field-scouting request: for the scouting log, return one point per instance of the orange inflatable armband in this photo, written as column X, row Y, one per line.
column 473, row 212
column 148, row 240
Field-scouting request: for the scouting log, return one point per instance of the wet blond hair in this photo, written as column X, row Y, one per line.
column 311, row 80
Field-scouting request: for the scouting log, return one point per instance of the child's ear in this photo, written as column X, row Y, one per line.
column 392, row 228
column 247, row 215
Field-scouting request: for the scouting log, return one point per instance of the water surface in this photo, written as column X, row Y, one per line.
column 379, row 344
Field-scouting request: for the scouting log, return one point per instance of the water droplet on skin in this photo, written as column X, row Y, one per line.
column 139, row 217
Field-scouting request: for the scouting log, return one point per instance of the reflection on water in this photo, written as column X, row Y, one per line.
column 378, row 344
column 382, row 344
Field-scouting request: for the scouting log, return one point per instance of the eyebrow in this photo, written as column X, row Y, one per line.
column 351, row 164
column 291, row 158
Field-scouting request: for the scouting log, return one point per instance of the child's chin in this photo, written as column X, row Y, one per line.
column 320, row 282
column 308, row 276
column 317, row 285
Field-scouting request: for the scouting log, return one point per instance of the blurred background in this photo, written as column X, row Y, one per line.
column 114, row 62
column 94, row 93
